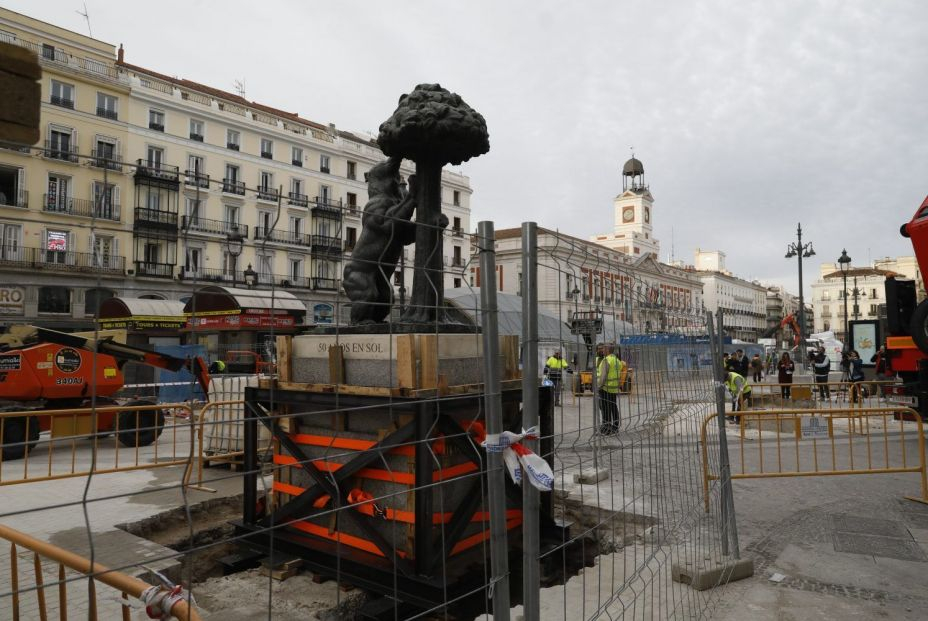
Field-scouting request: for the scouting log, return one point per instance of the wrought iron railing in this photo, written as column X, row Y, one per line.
column 86, row 208
column 283, row 237
column 215, row 227
column 60, row 260
column 157, row 170
column 231, row 186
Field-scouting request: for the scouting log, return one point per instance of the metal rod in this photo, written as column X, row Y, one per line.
column 716, row 341
column 531, row 577
column 424, row 491
column 496, row 473
column 728, row 498
column 250, row 462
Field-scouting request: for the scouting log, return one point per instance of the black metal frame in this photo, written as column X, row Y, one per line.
column 419, row 583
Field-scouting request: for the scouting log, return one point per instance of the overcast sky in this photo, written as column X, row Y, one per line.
column 748, row 116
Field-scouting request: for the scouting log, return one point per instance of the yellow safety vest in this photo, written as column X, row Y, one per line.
column 556, row 364
column 733, row 388
column 612, row 377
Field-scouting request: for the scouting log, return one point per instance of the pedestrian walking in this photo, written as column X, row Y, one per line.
column 743, row 363
column 555, row 367
column 856, row 371
column 883, row 368
column 740, row 392
column 821, row 365
column 757, row 368
column 608, row 371
column 785, row 370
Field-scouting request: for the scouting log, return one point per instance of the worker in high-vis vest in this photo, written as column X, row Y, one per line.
column 608, row 372
column 555, row 366
column 740, row 391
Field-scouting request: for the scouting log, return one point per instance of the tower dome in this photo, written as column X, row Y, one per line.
column 633, row 167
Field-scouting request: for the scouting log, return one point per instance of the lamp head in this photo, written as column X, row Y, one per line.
column 844, row 261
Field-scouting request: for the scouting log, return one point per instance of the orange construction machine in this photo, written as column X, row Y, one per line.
column 44, row 369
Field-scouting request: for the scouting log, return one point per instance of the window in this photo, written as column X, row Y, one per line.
column 156, row 120
column 152, row 253
column 61, row 144
column 351, row 237
column 153, row 200
column 456, row 259
column 265, row 221
column 233, row 139
column 58, row 197
column 265, row 261
column 104, row 249
column 352, row 200
column 352, row 172
column 325, row 192
column 231, row 173
column 56, row 246
column 324, row 163
column 196, row 130
column 232, row 214
column 456, row 198
column 873, row 294
column 62, row 94
column 49, row 52
column 267, row 148
column 155, row 157
column 296, row 156
column 12, row 239
column 296, row 186
column 192, row 210
column 195, row 166
column 296, row 270
column 54, row 300
column 193, row 261
column 296, row 227
column 106, row 106
column 104, row 154
column 106, row 200
column 266, row 180
column 93, row 298
column 457, row 283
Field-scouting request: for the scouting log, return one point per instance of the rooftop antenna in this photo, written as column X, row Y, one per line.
column 86, row 15
column 239, row 86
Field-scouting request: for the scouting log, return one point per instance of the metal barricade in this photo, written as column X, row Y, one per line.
column 803, row 443
column 100, row 440
column 113, row 598
column 203, row 418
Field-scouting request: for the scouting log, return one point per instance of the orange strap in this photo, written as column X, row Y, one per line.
column 377, row 474
column 353, row 444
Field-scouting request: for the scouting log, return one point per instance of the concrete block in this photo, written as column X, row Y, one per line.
column 591, row 476
column 712, row 572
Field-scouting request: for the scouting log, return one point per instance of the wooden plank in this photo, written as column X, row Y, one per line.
column 344, row 389
column 428, row 361
column 509, row 347
column 284, row 358
column 336, row 365
column 460, row 389
column 406, row 361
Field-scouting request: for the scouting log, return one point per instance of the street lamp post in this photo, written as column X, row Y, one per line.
column 800, row 251
column 844, row 262
column 234, row 242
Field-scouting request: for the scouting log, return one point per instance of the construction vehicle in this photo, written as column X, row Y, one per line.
column 43, row 369
column 907, row 324
column 790, row 321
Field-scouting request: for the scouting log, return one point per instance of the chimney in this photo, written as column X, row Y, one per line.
column 119, row 56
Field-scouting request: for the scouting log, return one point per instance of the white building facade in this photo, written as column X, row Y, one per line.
column 633, row 227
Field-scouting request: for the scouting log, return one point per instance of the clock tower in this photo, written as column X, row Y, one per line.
column 633, row 228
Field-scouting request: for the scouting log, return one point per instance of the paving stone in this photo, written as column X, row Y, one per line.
column 869, row 526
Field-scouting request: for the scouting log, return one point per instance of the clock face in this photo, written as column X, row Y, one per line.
column 647, row 215
column 628, row 214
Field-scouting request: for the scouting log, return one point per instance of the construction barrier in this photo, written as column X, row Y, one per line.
column 72, row 567
column 121, row 438
column 803, row 443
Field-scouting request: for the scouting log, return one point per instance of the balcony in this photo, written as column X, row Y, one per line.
column 60, row 151
column 325, row 284
column 267, row 194
column 327, row 208
column 282, row 237
column 212, row 274
column 106, row 113
column 197, row 137
column 157, row 171
column 457, row 261
column 81, row 207
column 300, row 200
column 324, row 169
column 155, row 218
column 191, row 178
column 158, row 127
column 61, row 261
column 457, row 232
column 297, row 163
column 18, row 199
column 231, row 186
column 233, row 146
column 324, row 244
column 267, row 155
column 213, row 227
column 155, row 270
column 61, row 101
column 105, row 158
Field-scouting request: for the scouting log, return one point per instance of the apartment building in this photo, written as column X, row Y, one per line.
column 149, row 186
column 743, row 303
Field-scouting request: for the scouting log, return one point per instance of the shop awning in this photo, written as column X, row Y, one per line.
column 140, row 314
column 228, row 308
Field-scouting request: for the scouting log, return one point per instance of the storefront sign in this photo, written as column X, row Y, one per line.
column 12, row 301
column 241, row 322
column 323, row 313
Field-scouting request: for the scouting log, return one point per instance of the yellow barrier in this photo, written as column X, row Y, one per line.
column 126, row 585
column 803, row 448
column 155, row 452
